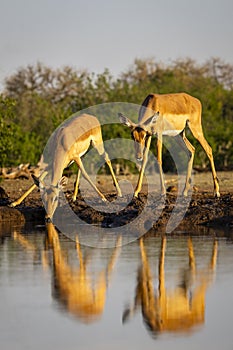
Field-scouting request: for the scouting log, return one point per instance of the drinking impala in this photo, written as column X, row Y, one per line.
column 67, row 145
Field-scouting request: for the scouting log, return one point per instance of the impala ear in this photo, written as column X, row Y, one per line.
column 155, row 117
column 150, row 123
column 62, row 182
column 126, row 121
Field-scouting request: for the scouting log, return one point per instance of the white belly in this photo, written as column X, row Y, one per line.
column 171, row 132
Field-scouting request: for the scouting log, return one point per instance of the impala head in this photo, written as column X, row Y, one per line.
column 140, row 132
column 50, row 195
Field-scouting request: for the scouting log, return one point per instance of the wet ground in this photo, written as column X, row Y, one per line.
column 202, row 208
column 39, row 280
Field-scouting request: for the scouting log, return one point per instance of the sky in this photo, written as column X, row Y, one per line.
column 99, row 34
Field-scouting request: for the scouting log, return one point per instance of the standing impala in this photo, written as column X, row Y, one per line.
column 168, row 114
column 68, row 144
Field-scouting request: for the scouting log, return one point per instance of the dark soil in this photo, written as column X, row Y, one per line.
column 203, row 209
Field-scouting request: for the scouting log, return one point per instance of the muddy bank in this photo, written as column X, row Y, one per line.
column 202, row 208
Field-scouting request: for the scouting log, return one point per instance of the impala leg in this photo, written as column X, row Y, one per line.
column 186, row 145
column 198, row 134
column 87, row 177
column 159, row 160
column 18, row 201
column 208, row 151
column 76, row 185
column 113, row 175
column 100, row 149
column 142, row 170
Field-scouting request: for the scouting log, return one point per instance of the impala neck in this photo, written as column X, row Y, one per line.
column 59, row 163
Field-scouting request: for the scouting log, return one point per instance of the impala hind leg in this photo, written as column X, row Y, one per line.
column 209, row 153
column 198, row 134
column 87, row 177
column 100, row 149
column 76, row 185
column 113, row 175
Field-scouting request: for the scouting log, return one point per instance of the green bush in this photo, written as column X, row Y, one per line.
column 37, row 99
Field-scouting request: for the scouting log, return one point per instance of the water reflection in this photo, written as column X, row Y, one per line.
column 56, row 293
column 178, row 309
column 82, row 295
column 81, row 292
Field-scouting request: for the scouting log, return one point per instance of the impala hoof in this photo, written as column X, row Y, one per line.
column 12, row 205
column 48, row 220
column 119, row 194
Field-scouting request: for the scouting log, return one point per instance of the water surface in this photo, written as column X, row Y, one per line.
column 174, row 293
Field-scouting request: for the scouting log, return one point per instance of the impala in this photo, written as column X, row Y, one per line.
column 67, row 145
column 168, row 114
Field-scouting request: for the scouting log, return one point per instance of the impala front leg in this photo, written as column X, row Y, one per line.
column 159, row 160
column 142, row 170
column 35, row 185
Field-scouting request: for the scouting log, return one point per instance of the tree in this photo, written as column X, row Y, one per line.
column 6, row 130
column 43, row 97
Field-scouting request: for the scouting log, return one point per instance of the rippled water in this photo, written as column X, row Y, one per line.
column 174, row 293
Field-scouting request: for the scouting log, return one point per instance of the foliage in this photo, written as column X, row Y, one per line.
column 6, row 130
column 37, row 99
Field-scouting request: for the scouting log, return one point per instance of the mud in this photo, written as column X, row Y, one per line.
column 203, row 208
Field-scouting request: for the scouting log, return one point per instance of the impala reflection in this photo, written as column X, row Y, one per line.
column 80, row 292
column 178, row 309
